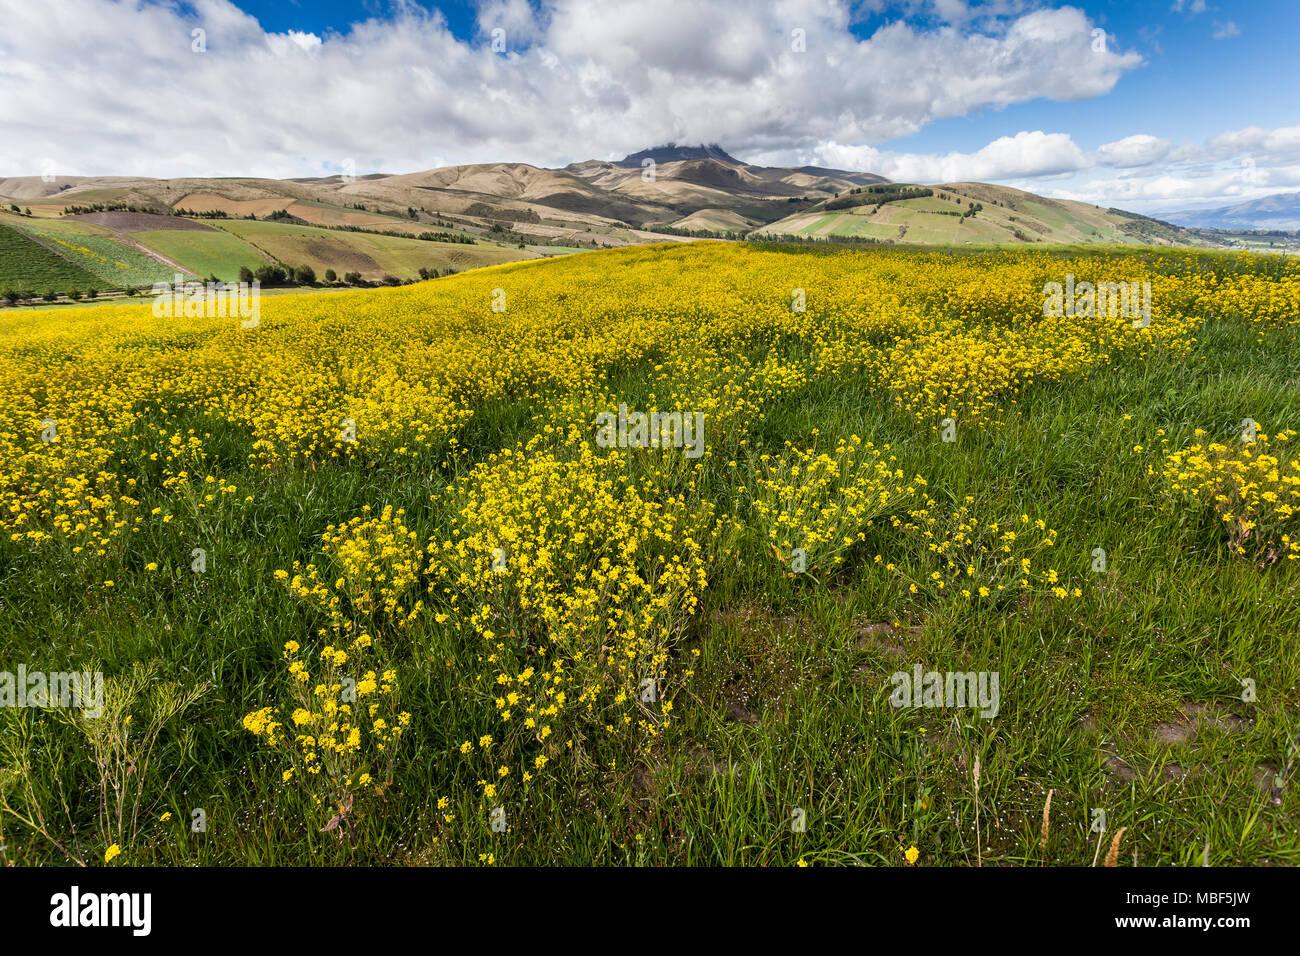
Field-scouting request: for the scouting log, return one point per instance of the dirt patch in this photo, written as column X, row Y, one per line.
column 337, row 217
column 1112, row 761
column 1110, row 758
column 237, row 208
column 700, row 761
column 740, row 714
column 644, row 784
column 125, row 222
column 1266, row 780
column 1193, row 718
column 889, row 640
column 757, row 673
column 340, row 255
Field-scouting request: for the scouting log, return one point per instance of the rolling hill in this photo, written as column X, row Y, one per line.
column 970, row 213
column 116, row 232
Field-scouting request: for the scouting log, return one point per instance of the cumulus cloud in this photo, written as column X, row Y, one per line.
column 1140, row 171
column 114, row 87
column 1264, row 146
column 1141, row 149
column 1027, row 154
column 1157, row 174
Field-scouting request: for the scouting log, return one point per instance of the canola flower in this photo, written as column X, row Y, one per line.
column 343, row 726
column 93, row 400
column 1252, row 487
column 573, row 580
column 821, row 504
column 373, row 567
column 571, row 573
column 978, row 561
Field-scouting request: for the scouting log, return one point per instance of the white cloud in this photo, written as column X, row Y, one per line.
column 1140, row 171
column 1225, row 30
column 1231, row 167
column 588, row 78
column 280, row 43
column 1138, row 150
column 1265, row 146
column 113, row 87
column 1027, row 154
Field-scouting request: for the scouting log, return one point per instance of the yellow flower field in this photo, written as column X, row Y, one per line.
column 424, row 577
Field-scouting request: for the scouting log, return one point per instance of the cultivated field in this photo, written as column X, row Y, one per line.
column 371, row 254
column 26, row 264
column 370, row 582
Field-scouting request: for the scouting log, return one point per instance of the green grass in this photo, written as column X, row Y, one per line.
column 789, row 706
column 370, row 254
column 117, row 265
column 204, row 253
column 28, row 266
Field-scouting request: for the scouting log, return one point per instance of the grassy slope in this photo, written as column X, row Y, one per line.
column 789, row 706
column 26, row 265
column 1171, row 626
column 371, row 255
column 203, row 253
column 1034, row 219
column 93, row 249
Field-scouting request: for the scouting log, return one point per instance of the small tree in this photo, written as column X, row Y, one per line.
column 270, row 275
column 245, row 274
column 331, row 275
column 305, row 275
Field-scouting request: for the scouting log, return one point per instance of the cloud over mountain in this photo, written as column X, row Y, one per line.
column 569, row 79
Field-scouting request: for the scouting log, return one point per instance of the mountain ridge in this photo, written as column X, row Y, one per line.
column 389, row 227
column 1276, row 211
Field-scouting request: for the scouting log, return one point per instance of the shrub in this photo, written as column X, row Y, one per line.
column 271, row 275
column 1254, row 489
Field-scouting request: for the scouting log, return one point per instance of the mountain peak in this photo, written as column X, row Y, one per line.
column 672, row 153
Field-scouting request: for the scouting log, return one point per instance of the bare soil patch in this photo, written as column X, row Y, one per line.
column 126, row 222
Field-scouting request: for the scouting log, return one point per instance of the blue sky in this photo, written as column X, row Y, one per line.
column 1187, row 102
column 1191, row 86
